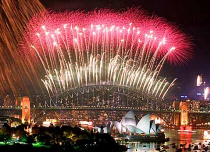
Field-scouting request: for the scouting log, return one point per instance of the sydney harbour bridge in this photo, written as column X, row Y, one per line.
column 102, row 104
column 98, row 65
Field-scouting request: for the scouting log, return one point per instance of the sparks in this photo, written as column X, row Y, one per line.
column 104, row 47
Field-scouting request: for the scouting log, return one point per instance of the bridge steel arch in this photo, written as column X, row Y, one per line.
column 106, row 95
column 108, row 98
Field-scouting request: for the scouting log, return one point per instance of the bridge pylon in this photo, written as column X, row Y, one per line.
column 184, row 113
column 26, row 114
column 176, row 106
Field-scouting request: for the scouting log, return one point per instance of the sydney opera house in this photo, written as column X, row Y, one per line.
column 130, row 124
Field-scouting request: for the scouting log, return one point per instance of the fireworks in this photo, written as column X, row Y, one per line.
column 103, row 47
column 14, row 17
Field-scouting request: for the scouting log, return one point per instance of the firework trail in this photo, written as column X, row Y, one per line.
column 14, row 16
column 103, row 47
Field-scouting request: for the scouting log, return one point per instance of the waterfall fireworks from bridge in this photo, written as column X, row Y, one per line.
column 103, row 47
column 14, row 16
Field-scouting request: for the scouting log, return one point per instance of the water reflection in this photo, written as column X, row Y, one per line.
column 183, row 140
column 142, row 147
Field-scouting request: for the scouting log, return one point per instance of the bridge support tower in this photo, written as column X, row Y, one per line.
column 184, row 113
column 26, row 115
column 176, row 106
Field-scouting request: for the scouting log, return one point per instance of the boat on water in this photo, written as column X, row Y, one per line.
column 206, row 134
column 158, row 137
column 186, row 128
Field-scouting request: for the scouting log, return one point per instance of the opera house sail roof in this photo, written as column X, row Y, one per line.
column 130, row 123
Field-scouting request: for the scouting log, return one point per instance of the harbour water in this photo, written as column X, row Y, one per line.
column 175, row 138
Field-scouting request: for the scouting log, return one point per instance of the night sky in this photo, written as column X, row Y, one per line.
column 191, row 16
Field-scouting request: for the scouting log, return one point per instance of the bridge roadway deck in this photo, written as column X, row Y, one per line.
column 104, row 108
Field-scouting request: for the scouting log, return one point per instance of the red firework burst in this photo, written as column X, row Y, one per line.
column 130, row 32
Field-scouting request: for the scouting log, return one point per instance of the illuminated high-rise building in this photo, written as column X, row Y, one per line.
column 199, row 80
column 206, row 93
column 26, row 110
column 8, row 101
column 199, row 89
column 18, row 101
